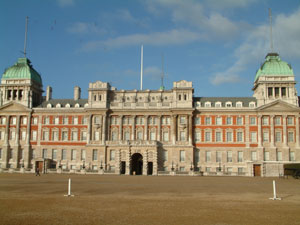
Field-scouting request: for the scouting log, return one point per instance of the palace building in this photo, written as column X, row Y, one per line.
column 150, row 132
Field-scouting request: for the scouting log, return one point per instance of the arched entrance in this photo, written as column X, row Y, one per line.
column 136, row 164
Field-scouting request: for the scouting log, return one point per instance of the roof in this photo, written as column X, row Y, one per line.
column 22, row 69
column 274, row 66
column 223, row 100
column 63, row 103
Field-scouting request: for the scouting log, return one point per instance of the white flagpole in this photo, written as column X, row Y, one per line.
column 142, row 68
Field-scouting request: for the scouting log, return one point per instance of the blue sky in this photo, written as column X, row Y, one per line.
column 217, row 44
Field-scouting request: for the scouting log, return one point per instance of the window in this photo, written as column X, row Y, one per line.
column 207, row 136
column 292, row 156
column 3, row 120
column 84, row 120
column 270, row 92
column 127, row 135
column 207, row 169
column 11, row 153
column 229, row 156
column 46, row 120
column 54, row 154
column 182, row 136
column 229, row 120
column 23, row 135
column 64, row 135
column 56, row 120
column 278, row 136
column 229, row 169
column 114, row 136
column 253, row 156
column 46, row 135
column 152, row 135
column 277, row 92
column 290, row 120
column 279, row 156
column 228, row 104
column 207, row 120
column 218, row 136
column 239, row 136
column 277, row 120
column 165, row 136
column 73, row 154
column 197, row 156
column 265, row 136
column 35, row 120
column 197, row 120
column 165, row 155
column 0, row 153
column 252, row 120
column 44, row 153
column 266, row 156
column 24, row 120
column 218, row 105
column 112, row 155
column 240, row 157
column 83, row 154
column 83, row 135
column 239, row 105
column 65, row 120
column 229, row 136
column 74, row 135
column 14, row 121
column 96, row 135
column 207, row 156
column 218, row 157
column 63, row 154
column 290, row 136
column 197, row 136
column 253, row 137
column 265, row 120
column 140, row 135
column 239, row 121
column 182, row 120
column 207, row 104
column 55, row 135
column 283, row 92
column 95, row 154
column 140, row 120
column 182, row 155
column 75, row 120
column 218, row 120
column 240, row 170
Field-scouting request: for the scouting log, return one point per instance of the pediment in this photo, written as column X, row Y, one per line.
column 14, row 107
column 279, row 106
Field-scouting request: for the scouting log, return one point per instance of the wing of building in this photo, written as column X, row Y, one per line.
column 150, row 131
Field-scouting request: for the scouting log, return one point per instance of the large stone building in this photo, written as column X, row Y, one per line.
column 150, row 131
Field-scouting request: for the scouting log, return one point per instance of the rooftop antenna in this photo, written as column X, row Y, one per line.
column 162, row 72
column 271, row 38
column 142, row 68
column 25, row 41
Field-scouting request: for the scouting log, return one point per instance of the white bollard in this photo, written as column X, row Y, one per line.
column 69, row 189
column 274, row 192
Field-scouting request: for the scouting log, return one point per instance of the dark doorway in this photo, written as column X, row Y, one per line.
column 39, row 164
column 137, row 164
column 123, row 167
column 256, row 170
column 150, row 168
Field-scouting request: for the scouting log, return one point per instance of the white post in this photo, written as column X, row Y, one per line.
column 274, row 192
column 69, row 189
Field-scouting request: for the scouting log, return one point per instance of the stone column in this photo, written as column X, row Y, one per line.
column 284, row 131
column 190, row 129
column 133, row 128
column 27, row 145
column 173, row 129
column 297, row 131
column 128, row 162
column 259, row 131
column 104, row 128
column 145, row 162
column 108, row 137
column 17, row 143
column 146, row 128
column 272, row 131
column 120, row 127
column 155, row 166
column 159, row 129
column 118, row 162
column 6, row 148
column 89, row 131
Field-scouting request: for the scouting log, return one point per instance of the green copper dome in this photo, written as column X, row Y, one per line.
column 22, row 70
column 274, row 66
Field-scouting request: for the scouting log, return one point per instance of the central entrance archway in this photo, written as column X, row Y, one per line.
column 136, row 164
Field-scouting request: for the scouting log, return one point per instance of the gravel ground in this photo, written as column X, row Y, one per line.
column 141, row 200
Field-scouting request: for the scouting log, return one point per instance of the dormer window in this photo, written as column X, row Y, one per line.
column 228, row 104
column 252, row 104
column 218, row 104
column 49, row 105
column 207, row 104
column 58, row 105
column 239, row 104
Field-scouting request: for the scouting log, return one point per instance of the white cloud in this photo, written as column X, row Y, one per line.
column 229, row 4
column 171, row 37
column 64, row 3
column 152, row 71
column 256, row 45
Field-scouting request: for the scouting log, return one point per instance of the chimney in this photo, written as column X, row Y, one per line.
column 49, row 93
column 77, row 92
